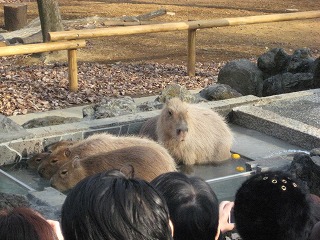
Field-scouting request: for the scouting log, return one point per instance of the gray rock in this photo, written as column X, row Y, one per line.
column 286, row 83
column 316, row 73
column 175, row 90
column 243, row 76
column 305, row 169
column 219, row 92
column 49, row 121
column 273, row 62
column 150, row 106
column 315, row 152
column 9, row 130
column 301, row 61
column 8, row 200
column 110, row 107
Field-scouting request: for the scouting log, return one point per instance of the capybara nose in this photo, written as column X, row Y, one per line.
column 182, row 129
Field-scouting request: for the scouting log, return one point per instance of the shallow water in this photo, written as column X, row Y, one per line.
column 224, row 189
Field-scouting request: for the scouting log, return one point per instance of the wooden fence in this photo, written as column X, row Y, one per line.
column 69, row 40
column 71, row 46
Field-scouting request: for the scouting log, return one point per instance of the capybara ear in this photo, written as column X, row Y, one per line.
column 67, row 152
column 128, row 170
column 76, row 162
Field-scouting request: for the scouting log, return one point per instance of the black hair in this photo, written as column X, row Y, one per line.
column 110, row 206
column 272, row 206
column 193, row 206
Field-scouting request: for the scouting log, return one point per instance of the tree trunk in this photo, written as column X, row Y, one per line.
column 50, row 17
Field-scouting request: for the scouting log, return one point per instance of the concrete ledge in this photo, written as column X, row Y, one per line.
column 292, row 131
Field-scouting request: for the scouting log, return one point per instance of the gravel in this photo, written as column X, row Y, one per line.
column 37, row 88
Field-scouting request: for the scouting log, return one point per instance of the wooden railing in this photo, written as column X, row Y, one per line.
column 71, row 46
column 191, row 26
column 72, row 40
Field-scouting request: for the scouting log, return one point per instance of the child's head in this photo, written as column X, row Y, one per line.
column 272, row 206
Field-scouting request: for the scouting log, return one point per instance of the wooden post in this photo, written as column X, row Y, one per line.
column 192, row 52
column 15, row 16
column 73, row 70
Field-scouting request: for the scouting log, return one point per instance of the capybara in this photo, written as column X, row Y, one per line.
column 149, row 128
column 193, row 135
column 147, row 163
column 35, row 161
column 97, row 143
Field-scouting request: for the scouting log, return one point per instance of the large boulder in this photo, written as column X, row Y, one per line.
column 301, row 61
column 273, row 62
column 316, row 73
column 242, row 75
column 286, row 83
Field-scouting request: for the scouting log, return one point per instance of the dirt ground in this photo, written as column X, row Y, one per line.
column 216, row 44
column 145, row 64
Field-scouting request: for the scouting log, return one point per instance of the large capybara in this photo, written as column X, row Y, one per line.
column 147, row 163
column 149, row 128
column 97, row 143
column 193, row 135
column 35, row 161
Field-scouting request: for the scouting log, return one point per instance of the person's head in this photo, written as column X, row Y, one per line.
column 24, row 224
column 193, row 206
column 111, row 206
column 272, row 206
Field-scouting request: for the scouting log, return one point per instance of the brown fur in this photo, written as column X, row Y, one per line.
column 35, row 161
column 94, row 144
column 149, row 128
column 147, row 162
column 193, row 135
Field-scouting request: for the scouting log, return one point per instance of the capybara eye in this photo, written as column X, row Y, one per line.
column 38, row 160
column 64, row 172
column 170, row 113
column 54, row 160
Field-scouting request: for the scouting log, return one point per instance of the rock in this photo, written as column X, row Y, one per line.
column 301, row 61
column 150, row 106
column 8, row 126
column 12, row 201
column 243, row 76
column 305, row 169
column 286, row 83
column 315, row 152
column 219, row 92
column 49, row 121
column 273, row 62
column 110, row 107
column 175, row 90
column 316, row 73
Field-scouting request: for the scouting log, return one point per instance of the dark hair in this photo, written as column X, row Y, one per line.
column 24, row 224
column 193, row 206
column 110, row 206
column 272, row 206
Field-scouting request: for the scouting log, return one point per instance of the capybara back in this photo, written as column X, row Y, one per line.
column 147, row 163
column 97, row 143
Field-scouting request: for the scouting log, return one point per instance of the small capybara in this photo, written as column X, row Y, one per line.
column 35, row 161
column 97, row 143
column 147, row 163
column 193, row 135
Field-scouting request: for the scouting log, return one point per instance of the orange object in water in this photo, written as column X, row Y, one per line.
column 235, row 156
column 240, row 169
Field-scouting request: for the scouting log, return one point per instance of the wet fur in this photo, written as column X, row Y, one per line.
column 97, row 143
column 208, row 139
column 147, row 163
